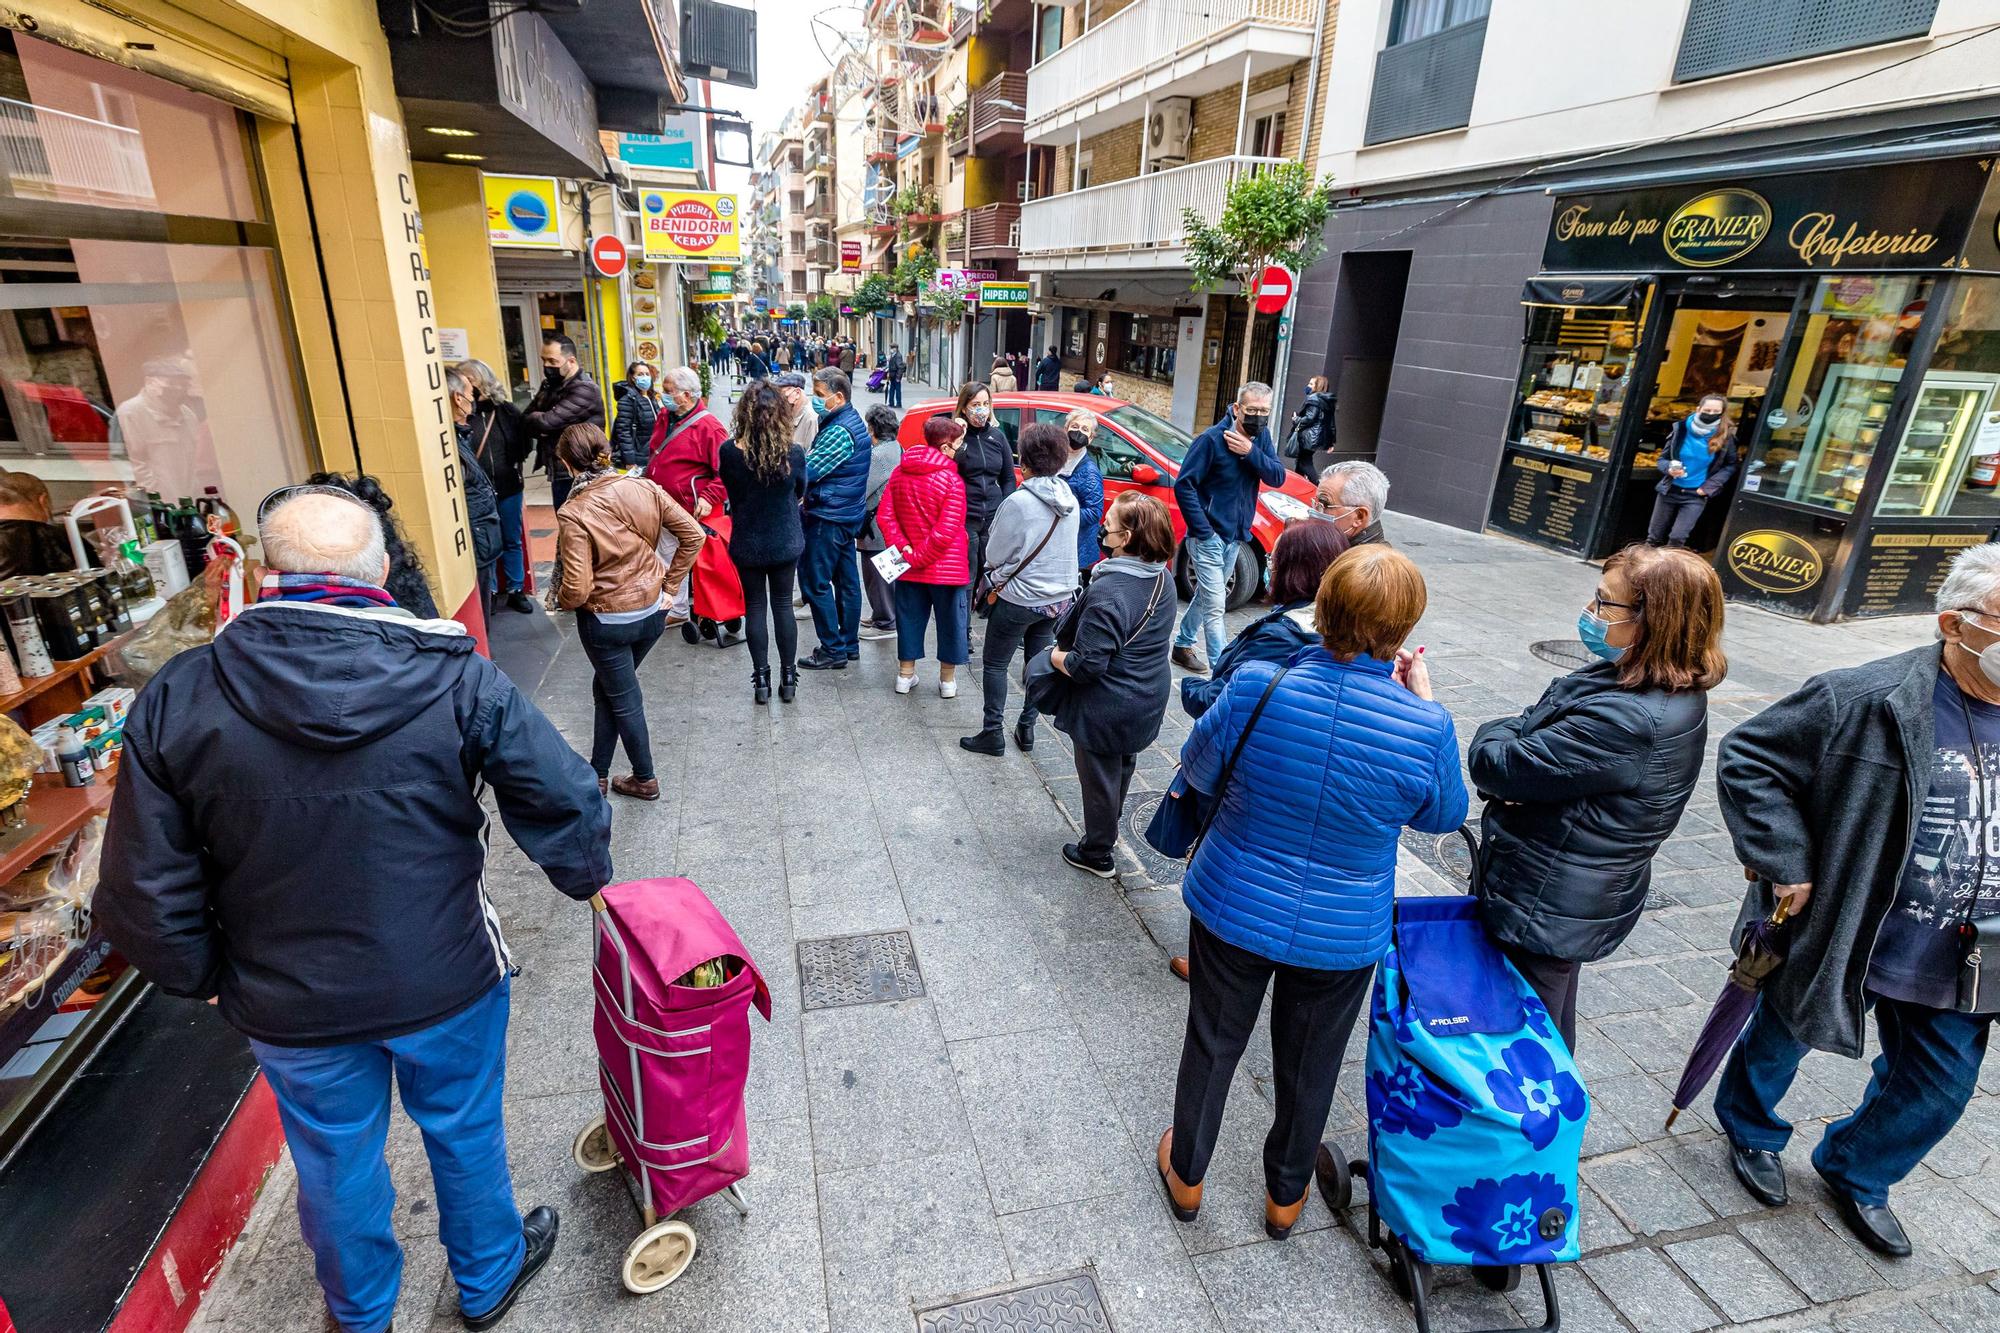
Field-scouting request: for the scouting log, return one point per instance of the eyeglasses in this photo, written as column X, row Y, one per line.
column 1320, row 505
column 1599, row 602
column 1963, row 611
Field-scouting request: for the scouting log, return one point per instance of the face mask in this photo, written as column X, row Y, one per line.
column 819, row 406
column 1251, row 423
column 552, row 375
column 1707, row 418
column 977, row 416
column 1078, row 440
column 642, row 382
column 1104, row 535
column 1590, row 628
column 1989, row 658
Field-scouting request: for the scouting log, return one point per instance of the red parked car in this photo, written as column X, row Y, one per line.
column 1136, row 450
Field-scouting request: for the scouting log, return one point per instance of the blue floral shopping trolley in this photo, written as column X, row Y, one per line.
column 1475, row 1114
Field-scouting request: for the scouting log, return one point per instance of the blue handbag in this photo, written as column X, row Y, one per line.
column 1180, row 821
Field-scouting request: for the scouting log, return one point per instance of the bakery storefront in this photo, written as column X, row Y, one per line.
column 1851, row 319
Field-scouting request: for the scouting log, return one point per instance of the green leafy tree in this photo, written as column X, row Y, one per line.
column 951, row 310
column 822, row 308
column 1273, row 217
column 874, row 294
column 796, row 310
column 914, row 271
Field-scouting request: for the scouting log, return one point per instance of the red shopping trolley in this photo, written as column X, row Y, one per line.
column 672, row 1059
column 716, row 591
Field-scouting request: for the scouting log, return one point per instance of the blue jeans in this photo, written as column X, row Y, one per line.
column 830, row 578
column 895, row 387
column 334, row 1104
column 916, row 603
column 1927, row 1072
column 1212, row 558
column 513, row 563
column 615, row 652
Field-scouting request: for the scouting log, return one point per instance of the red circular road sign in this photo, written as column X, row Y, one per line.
column 1274, row 288
column 607, row 255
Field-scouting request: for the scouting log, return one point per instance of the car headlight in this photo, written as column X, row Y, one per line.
column 1285, row 508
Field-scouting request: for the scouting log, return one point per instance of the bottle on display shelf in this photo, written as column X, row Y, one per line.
column 73, row 757
column 213, row 506
column 10, row 678
column 26, row 632
column 192, row 528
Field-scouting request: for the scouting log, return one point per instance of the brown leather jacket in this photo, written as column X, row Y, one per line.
column 605, row 537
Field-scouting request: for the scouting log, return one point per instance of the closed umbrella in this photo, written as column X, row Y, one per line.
column 1759, row 955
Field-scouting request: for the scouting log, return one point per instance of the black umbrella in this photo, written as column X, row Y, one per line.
column 1759, row 955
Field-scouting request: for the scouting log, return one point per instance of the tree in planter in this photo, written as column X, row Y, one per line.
column 1273, row 217
column 950, row 310
column 875, row 293
column 822, row 308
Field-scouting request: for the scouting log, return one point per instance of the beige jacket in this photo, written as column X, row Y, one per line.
column 1001, row 380
column 606, row 534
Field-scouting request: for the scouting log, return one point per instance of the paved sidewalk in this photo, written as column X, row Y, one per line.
column 998, row 1130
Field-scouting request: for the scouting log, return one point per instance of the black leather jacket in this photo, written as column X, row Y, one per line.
column 1581, row 791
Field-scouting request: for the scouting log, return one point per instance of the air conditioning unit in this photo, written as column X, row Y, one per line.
column 1025, row 191
column 1170, row 129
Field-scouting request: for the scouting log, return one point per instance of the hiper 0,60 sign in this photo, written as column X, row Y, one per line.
column 689, row 226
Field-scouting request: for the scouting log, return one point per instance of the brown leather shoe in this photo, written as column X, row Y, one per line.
column 1184, row 1200
column 1185, row 659
column 1280, row 1219
column 647, row 789
column 1178, row 965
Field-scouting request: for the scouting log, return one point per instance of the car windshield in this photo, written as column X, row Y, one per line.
column 1162, row 437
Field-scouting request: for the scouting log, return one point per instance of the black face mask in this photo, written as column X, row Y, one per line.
column 552, row 375
column 1251, row 424
column 1104, row 536
column 1708, row 418
column 1078, row 440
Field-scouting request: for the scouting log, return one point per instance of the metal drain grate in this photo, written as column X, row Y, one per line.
column 1569, row 654
column 858, row 969
column 1447, row 853
column 1139, row 808
column 1060, row 1305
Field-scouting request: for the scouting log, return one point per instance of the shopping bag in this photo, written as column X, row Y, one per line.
column 1046, row 688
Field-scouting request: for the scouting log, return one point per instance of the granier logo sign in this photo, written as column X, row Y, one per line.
column 1717, row 228
column 1775, row 561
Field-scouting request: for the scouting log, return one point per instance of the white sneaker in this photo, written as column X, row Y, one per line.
column 904, row 684
column 947, row 689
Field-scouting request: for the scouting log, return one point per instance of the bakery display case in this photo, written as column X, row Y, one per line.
column 1949, row 457
column 1832, row 461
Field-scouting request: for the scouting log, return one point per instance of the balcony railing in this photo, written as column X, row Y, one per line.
column 1143, row 213
column 995, row 113
column 1145, row 34
column 53, row 154
column 1723, row 36
column 1426, row 85
column 993, row 231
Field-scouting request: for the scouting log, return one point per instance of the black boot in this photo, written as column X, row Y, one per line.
column 788, row 683
column 986, row 742
column 760, row 684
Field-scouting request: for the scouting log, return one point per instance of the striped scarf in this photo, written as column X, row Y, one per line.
column 333, row 589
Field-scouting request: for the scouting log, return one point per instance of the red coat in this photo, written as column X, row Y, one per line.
column 689, row 467
column 923, row 512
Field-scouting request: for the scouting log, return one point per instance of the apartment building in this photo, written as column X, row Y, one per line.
column 986, row 169
column 1136, row 110
column 1533, row 275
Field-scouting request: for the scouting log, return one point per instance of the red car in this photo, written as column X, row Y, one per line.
column 1136, row 450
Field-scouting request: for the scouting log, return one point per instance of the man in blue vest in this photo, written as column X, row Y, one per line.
column 836, row 508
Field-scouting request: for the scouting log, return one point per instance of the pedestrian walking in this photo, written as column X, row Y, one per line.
column 1298, row 562
column 1864, row 799
column 764, row 476
column 1029, row 582
column 501, row 443
column 567, row 397
column 1217, row 494
column 1316, row 768
column 1582, row 788
column 923, row 516
column 1312, row 427
column 836, row 494
column 1086, row 483
column 1113, row 650
column 482, row 506
column 1695, row 463
column 684, row 455
column 883, row 455
column 896, row 367
column 1000, row 376
column 986, row 462
column 637, row 397
column 1048, row 372
column 755, row 367
column 280, row 785
column 609, row 571
column 782, row 359
column 1353, row 496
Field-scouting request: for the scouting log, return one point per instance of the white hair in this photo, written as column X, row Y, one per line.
column 325, row 534
column 682, row 379
column 1077, row 416
column 1254, row 389
column 1362, row 486
column 1974, row 579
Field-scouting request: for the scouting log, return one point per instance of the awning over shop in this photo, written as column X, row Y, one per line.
column 1596, row 291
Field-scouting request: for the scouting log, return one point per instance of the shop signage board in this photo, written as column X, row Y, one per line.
column 523, row 211
column 672, row 149
column 1910, row 215
column 1547, row 498
column 1904, row 569
column 1778, row 556
column 453, row 345
column 1274, row 288
column 607, row 255
column 996, row 295
column 690, row 226
column 850, row 256
column 718, row 288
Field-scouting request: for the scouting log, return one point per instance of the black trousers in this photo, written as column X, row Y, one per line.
column 1010, row 627
column 616, row 653
column 1105, row 779
column 1555, row 981
column 1674, row 517
column 766, row 587
column 1312, row 1017
column 881, row 602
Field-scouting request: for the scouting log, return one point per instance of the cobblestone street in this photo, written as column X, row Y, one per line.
column 998, row 1129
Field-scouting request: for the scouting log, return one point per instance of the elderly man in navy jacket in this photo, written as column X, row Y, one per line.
column 299, row 836
column 1217, row 492
column 836, row 509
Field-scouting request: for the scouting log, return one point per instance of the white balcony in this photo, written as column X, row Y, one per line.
column 1130, row 223
column 1161, row 48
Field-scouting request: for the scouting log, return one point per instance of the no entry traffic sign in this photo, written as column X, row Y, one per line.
column 1274, row 288
column 607, row 255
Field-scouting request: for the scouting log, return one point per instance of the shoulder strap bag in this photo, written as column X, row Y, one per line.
column 1182, row 818
column 990, row 588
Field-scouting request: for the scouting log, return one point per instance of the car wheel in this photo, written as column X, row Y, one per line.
column 1183, row 574
column 1246, row 580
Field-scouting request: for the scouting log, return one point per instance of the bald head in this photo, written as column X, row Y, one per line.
column 325, row 534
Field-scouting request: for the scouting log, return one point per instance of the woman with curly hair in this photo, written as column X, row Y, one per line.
column 765, row 476
column 406, row 582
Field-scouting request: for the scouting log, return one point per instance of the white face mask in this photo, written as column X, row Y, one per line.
column 1989, row 656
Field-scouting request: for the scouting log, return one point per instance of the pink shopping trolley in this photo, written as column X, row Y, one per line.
column 672, row 1060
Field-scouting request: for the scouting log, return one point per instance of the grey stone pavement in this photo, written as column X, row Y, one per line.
column 999, row 1129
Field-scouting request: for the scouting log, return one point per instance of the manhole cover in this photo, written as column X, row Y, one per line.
column 1062, row 1305
column 1447, row 853
column 858, row 969
column 1139, row 813
column 1569, row 654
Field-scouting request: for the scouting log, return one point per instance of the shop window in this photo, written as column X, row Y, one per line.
column 1818, row 437
column 1148, row 346
column 1574, row 378
column 1423, row 18
column 1728, row 352
column 1948, row 462
column 1075, row 325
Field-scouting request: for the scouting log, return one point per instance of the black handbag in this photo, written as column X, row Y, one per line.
column 1180, row 821
column 1976, row 937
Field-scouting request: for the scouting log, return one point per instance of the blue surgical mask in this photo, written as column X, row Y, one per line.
column 819, row 405
column 1590, row 628
column 642, row 382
